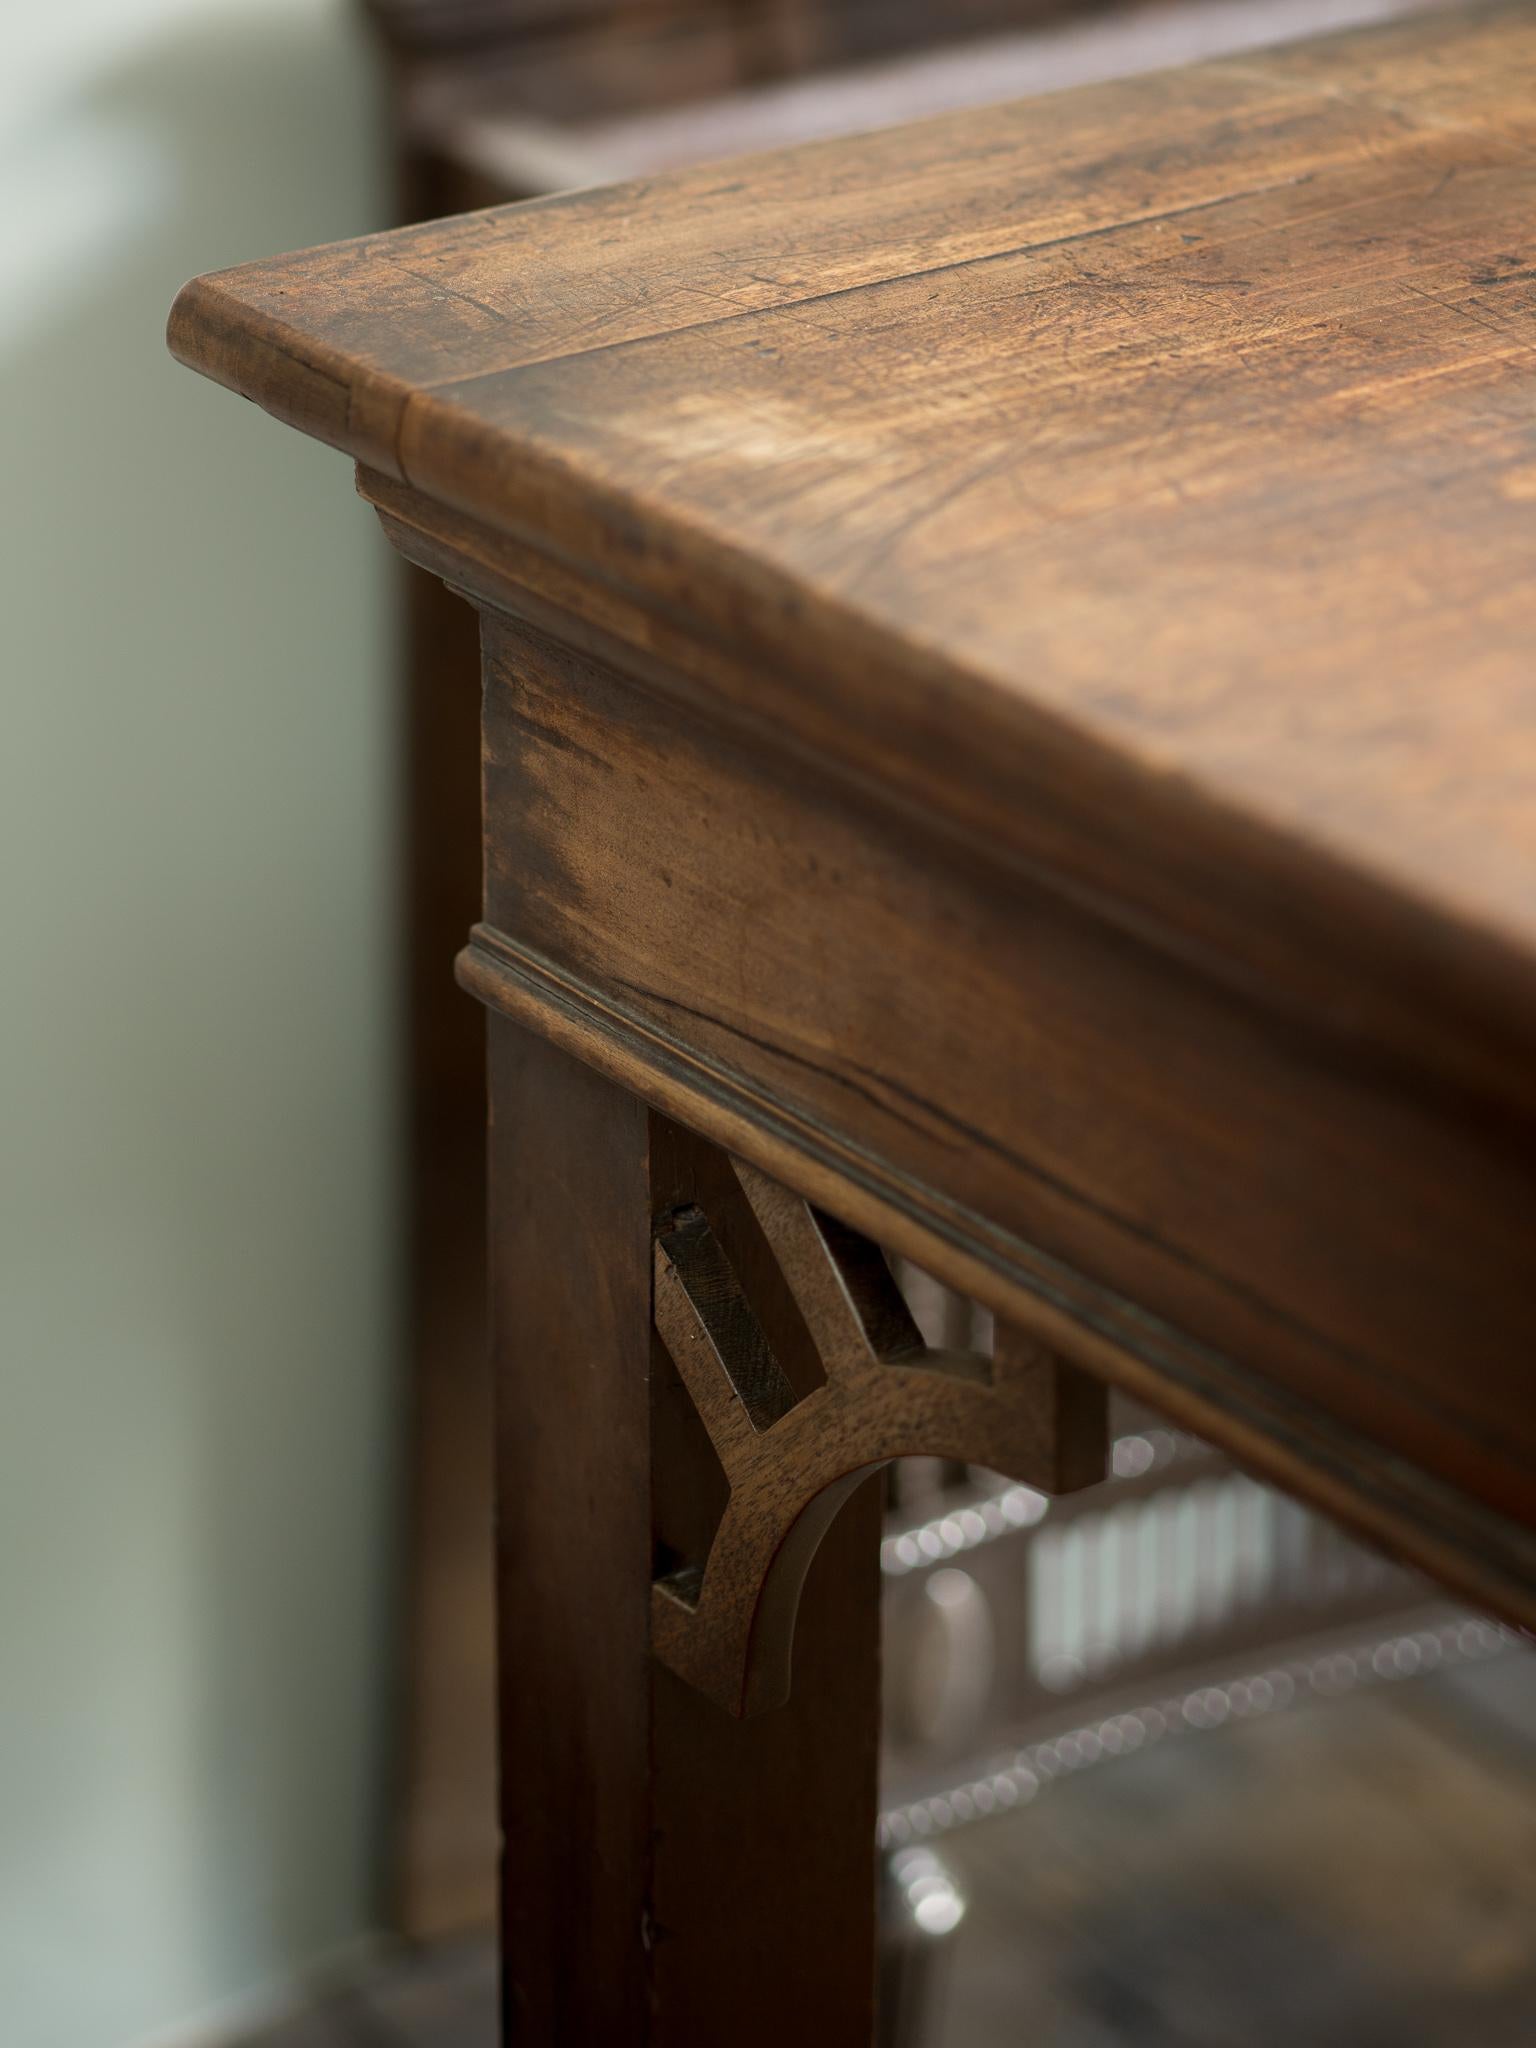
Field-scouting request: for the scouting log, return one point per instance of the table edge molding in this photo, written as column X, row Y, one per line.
column 1485, row 1555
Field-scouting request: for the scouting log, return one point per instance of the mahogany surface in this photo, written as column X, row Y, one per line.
column 1010, row 708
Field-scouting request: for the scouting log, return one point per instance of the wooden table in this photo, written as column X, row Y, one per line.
column 1010, row 723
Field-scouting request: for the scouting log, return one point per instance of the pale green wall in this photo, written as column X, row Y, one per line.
column 197, row 1166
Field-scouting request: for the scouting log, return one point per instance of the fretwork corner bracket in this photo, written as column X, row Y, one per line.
column 791, row 1459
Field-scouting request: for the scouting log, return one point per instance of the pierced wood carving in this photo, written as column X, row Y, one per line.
column 791, row 1460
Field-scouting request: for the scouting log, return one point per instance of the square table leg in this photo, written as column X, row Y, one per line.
column 671, row 1877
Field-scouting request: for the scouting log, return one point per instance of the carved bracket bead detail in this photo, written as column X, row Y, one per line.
column 791, row 1461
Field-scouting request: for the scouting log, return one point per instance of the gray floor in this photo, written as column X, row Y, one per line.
column 1356, row 1873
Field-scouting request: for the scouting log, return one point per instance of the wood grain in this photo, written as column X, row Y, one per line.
column 464, row 80
column 660, row 1860
column 1325, row 1253
column 1120, row 477
column 724, row 1619
column 1010, row 705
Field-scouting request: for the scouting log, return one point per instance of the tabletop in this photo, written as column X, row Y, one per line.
column 1146, row 473
column 1126, row 496
column 1009, row 738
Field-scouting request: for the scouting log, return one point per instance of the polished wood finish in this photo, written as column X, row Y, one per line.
column 1009, row 711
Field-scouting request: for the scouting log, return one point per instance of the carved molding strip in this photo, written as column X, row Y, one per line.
column 1484, row 1555
column 790, row 1462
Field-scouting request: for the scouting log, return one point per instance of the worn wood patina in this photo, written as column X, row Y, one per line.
column 1010, row 711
